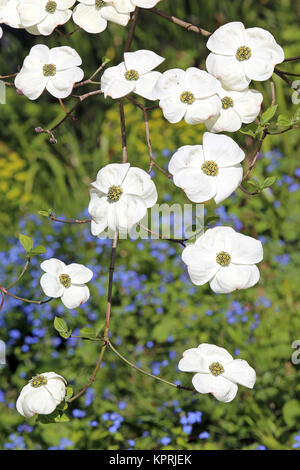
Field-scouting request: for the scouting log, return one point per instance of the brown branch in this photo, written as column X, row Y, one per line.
column 123, row 131
column 74, row 221
column 256, row 155
column 110, row 285
column 283, row 76
column 183, row 24
column 289, row 59
column 131, row 30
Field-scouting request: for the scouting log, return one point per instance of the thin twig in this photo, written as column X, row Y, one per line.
column 131, row 30
column 74, row 221
column 123, row 131
column 21, row 275
column 183, row 24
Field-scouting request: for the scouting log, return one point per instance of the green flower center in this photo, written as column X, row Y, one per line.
column 210, row 168
column 50, row 7
column 99, row 4
column 227, row 102
column 38, row 381
column 223, row 258
column 216, row 368
column 114, row 193
column 65, row 280
column 187, row 97
column 132, row 75
column 243, row 53
column 49, row 70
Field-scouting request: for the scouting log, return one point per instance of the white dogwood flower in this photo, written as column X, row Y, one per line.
column 224, row 258
column 66, row 281
column 207, row 171
column 135, row 74
column 93, row 15
column 216, row 371
column 120, row 197
column 190, row 94
column 239, row 55
column 54, row 69
column 43, row 16
column 238, row 107
column 41, row 395
column 130, row 5
column 9, row 13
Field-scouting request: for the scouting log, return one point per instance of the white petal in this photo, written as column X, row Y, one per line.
column 222, row 149
column 221, row 388
column 193, row 361
column 98, row 209
column 79, row 274
column 201, row 83
column 38, row 401
column 227, row 181
column 145, row 3
column 51, row 285
column 129, row 210
column 202, row 266
column 53, row 266
column 248, row 105
column 32, row 84
column 145, row 86
column 214, row 353
column 245, row 250
column 74, row 296
column 57, row 388
column 203, row 109
column 258, row 38
column 171, row 83
column 61, row 84
column 173, row 109
column 64, row 57
column 143, row 61
column 227, row 39
column 48, row 25
column 89, row 19
column 123, row 6
column 228, row 120
column 109, row 13
column 261, row 65
column 139, row 183
column 32, row 12
column 229, row 70
column 112, row 174
column 239, row 371
column 216, row 239
column 198, row 186
column 187, row 156
column 234, row 277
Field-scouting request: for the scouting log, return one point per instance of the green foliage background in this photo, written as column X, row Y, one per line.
column 35, row 175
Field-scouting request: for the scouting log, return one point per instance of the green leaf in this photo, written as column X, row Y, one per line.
column 69, row 393
column 37, row 250
column 268, row 114
column 88, row 333
column 283, row 121
column 62, row 328
column 44, row 213
column 105, row 60
column 269, row 182
column 291, row 412
column 26, row 242
column 251, row 130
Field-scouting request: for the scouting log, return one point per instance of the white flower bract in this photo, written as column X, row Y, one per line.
column 239, row 55
column 224, row 258
column 66, row 281
column 216, row 371
column 9, row 13
column 238, row 107
column 120, row 197
column 190, row 94
column 43, row 16
column 207, row 171
column 93, row 15
column 54, row 69
column 41, row 395
column 135, row 74
column 128, row 6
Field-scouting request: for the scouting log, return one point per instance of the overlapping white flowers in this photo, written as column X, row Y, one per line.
column 192, row 94
column 224, row 258
column 93, row 15
column 54, row 69
column 207, row 171
column 9, row 13
column 41, row 395
column 238, row 107
column 216, row 371
column 120, row 197
column 239, row 55
column 43, row 16
column 66, row 281
column 135, row 74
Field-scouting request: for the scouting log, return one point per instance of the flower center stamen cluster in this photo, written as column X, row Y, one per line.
column 210, row 168
column 65, row 280
column 132, row 75
column 216, row 368
column 51, row 7
column 49, row 70
column 38, row 381
column 187, row 97
column 223, row 258
column 114, row 193
column 243, row 53
column 227, row 102
column 99, row 4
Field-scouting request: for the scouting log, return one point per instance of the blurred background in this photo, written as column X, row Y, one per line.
column 157, row 312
